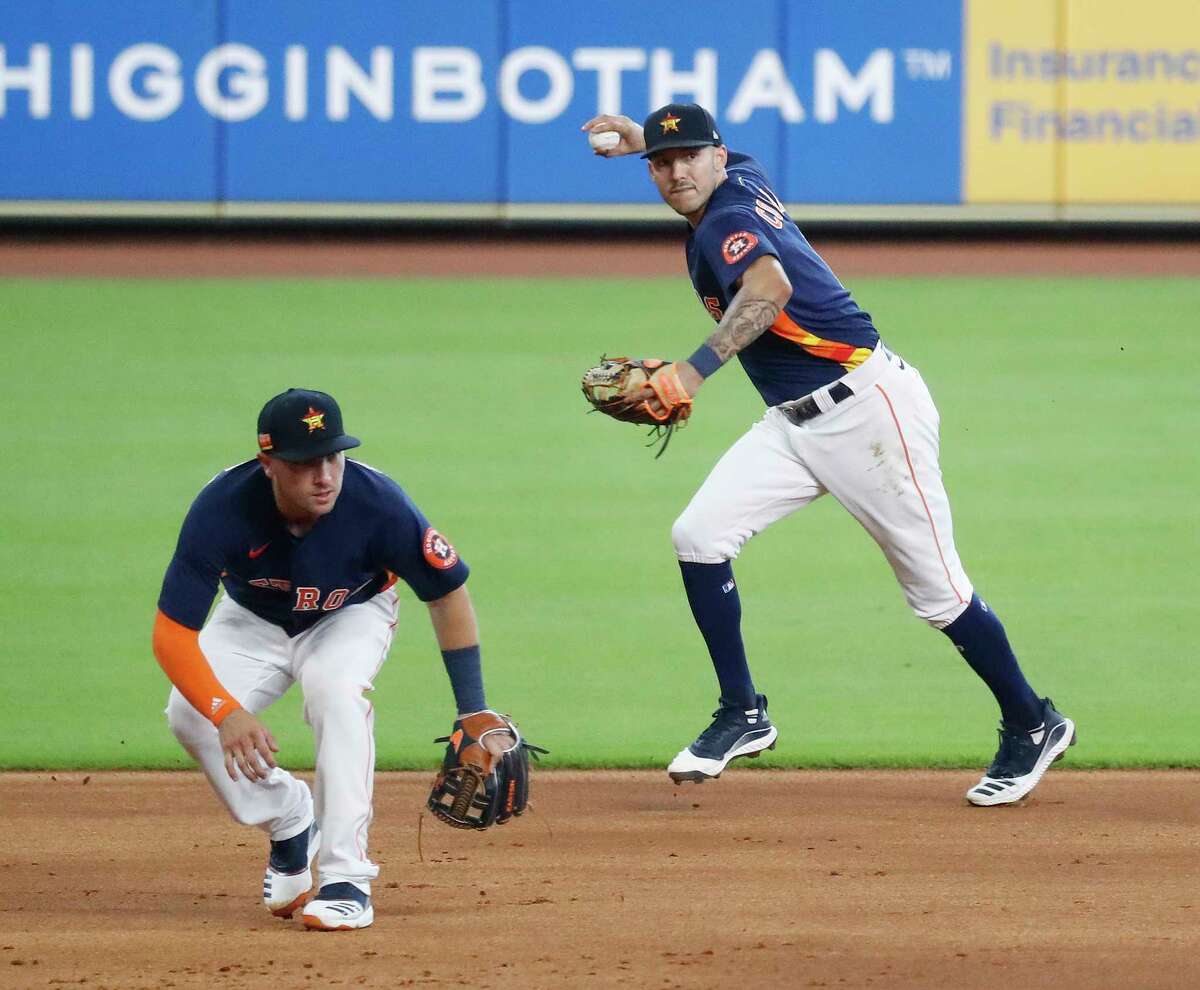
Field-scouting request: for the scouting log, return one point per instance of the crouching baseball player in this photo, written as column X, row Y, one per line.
column 845, row 416
column 308, row 547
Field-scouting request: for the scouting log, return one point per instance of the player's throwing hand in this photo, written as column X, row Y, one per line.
column 631, row 139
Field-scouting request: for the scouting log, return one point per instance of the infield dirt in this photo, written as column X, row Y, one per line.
column 618, row 879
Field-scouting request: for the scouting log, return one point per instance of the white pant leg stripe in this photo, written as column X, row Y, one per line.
column 913, row 474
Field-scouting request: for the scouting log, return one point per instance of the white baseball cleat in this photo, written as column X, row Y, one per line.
column 735, row 731
column 287, row 883
column 1023, row 757
column 339, row 907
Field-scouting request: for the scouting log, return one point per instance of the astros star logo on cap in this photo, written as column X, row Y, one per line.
column 669, row 123
column 313, row 419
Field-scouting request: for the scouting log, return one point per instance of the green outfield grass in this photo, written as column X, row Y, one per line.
column 1069, row 421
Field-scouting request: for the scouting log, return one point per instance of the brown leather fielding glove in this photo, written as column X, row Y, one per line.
column 484, row 778
column 621, row 387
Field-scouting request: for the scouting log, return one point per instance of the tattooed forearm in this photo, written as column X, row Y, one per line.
column 744, row 321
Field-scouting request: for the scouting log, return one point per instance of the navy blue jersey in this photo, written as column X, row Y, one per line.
column 234, row 533
column 821, row 333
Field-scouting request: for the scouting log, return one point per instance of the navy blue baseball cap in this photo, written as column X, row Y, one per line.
column 300, row 424
column 679, row 125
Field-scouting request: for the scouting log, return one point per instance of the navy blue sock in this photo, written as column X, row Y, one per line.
column 980, row 638
column 717, row 610
column 466, row 678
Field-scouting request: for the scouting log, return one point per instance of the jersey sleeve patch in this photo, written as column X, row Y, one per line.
column 438, row 551
column 736, row 246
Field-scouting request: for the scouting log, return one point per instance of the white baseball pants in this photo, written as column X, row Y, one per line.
column 876, row 452
column 335, row 663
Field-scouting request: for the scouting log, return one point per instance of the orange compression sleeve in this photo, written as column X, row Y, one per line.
column 177, row 649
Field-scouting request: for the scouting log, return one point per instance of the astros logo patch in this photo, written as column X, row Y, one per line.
column 438, row 551
column 313, row 419
column 736, row 246
column 669, row 123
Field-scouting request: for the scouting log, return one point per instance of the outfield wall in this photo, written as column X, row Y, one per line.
column 1038, row 110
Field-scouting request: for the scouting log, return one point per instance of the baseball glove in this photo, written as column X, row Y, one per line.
column 484, row 778
column 616, row 386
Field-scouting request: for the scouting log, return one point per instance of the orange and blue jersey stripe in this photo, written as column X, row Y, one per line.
column 849, row 356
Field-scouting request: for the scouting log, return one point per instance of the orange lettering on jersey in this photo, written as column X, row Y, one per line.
column 713, row 305
column 438, row 551
column 307, row 599
column 279, row 584
column 736, row 246
column 335, row 599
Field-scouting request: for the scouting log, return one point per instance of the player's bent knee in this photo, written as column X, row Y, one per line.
column 242, row 814
column 681, row 538
column 939, row 617
column 694, row 543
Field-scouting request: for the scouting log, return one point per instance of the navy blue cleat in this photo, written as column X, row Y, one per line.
column 735, row 731
column 1024, row 756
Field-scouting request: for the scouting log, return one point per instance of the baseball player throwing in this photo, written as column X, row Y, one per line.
column 308, row 547
column 845, row 415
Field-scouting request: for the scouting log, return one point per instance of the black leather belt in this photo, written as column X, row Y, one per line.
column 807, row 408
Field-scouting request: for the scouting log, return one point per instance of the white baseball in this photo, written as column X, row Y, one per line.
column 604, row 140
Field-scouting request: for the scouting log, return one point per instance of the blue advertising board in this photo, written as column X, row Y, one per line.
column 93, row 103
column 376, row 102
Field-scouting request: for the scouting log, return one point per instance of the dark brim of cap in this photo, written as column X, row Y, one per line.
column 318, row 449
column 682, row 143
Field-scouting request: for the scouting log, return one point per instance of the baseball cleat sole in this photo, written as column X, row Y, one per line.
column 289, row 909
column 992, row 791
column 687, row 766
column 333, row 917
